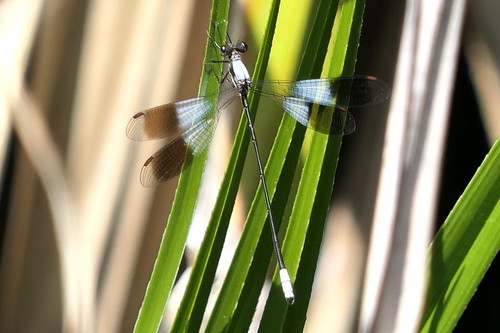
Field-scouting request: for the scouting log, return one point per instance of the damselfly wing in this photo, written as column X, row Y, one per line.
column 181, row 123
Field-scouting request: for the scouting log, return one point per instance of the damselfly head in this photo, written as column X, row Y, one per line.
column 227, row 50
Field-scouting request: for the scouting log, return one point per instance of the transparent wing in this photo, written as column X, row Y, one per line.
column 345, row 92
column 336, row 95
column 302, row 111
column 167, row 162
column 169, row 120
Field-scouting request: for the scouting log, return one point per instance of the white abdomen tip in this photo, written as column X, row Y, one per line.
column 286, row 284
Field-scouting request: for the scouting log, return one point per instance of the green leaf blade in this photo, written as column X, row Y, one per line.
column 319, row 170
column 464, row 247
column 174, row 238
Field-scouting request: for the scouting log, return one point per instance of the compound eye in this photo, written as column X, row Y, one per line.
column 242, row 47
column 223, row 50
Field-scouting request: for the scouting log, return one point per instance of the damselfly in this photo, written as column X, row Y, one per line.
column 189, row 124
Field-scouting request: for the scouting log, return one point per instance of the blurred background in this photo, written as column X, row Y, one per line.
column 79, row 234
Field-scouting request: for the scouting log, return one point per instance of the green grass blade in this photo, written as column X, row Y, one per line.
column 174, row 238
column 464, row 247
column 228, row 298
column 312, row 201
column 312, row 62
column 202, row 276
